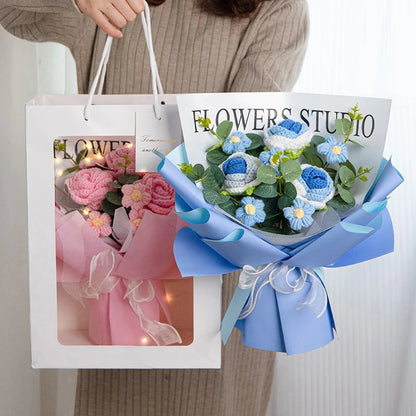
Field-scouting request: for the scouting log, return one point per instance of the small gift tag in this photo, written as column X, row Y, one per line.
column 156, row 135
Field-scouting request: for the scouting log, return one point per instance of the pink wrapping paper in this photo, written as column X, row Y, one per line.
column 112, row 320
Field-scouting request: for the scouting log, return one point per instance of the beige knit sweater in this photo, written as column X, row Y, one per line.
column 196, row 52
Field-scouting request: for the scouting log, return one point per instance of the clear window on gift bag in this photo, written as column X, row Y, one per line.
column 117, row 280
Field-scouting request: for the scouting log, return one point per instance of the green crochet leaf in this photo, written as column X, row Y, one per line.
column 294, row 155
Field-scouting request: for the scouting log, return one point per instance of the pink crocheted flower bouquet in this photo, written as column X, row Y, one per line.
column 114, row 236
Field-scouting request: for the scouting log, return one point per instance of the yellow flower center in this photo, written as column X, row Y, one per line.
column 136, row 195
column 274, row 160
column 250, row 209
column 298, row 213
column 137, row 221
column 97, row 222
column 336, row 150
column 235, row 139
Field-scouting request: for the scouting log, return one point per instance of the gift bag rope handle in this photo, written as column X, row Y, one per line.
column 102, row 67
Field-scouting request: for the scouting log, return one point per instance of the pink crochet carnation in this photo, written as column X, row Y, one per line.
column 89, row 187
column 100, row 223
column 135, row 196
column 118, row 156
column 136, row 218
column 163, row 196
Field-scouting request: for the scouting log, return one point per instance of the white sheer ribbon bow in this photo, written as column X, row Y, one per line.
column 286, row 280
column 101, row 281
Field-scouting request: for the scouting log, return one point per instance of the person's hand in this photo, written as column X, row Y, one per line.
column 111, row 15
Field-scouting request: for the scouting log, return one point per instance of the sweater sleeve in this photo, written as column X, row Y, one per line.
column 43, row 20
column 276, row 39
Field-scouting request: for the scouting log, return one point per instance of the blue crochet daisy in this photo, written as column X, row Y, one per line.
column 236, row 142
column 252, row 211
column 335, row 152
column 271, row 157
column 299, row 214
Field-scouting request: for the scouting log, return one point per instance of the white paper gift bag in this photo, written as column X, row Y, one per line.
column 105, row 291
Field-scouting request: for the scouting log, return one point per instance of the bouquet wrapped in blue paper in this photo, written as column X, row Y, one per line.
column 280, row 204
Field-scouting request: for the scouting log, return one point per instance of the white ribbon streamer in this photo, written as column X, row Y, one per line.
column 143, row 291
column 101, row 281
column 278, row 279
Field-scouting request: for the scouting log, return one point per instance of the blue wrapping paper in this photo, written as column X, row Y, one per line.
column 214, row 243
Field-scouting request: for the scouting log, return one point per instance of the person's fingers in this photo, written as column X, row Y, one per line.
column 103, row 23
column 111, row 15
column 114, row 16
column 136, row 5
column 125, row 10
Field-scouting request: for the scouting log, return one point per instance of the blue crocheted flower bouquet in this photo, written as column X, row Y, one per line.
column 278, row 181
column 280, row 206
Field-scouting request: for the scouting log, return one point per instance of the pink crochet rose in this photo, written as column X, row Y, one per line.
column 135, row 196
column 100, row 223
column 89, row 187
column 163, row 196
column 136, row 218
column 119, row 156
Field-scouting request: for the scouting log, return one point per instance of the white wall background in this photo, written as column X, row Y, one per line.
column 364, row 48
column 26, row 70
column 356, row 48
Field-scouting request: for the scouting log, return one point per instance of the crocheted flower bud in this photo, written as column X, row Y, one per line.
column 234, row 165
column 314, row 186
column 288, row 134
column 240, row 172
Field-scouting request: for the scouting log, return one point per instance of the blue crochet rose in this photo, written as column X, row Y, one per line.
column 233, row 165
column 288, row 134
column 251, row 212
column 334, row 152
column 299, row 214
column 236, row 142
column 240, row 172
column 314, row 186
